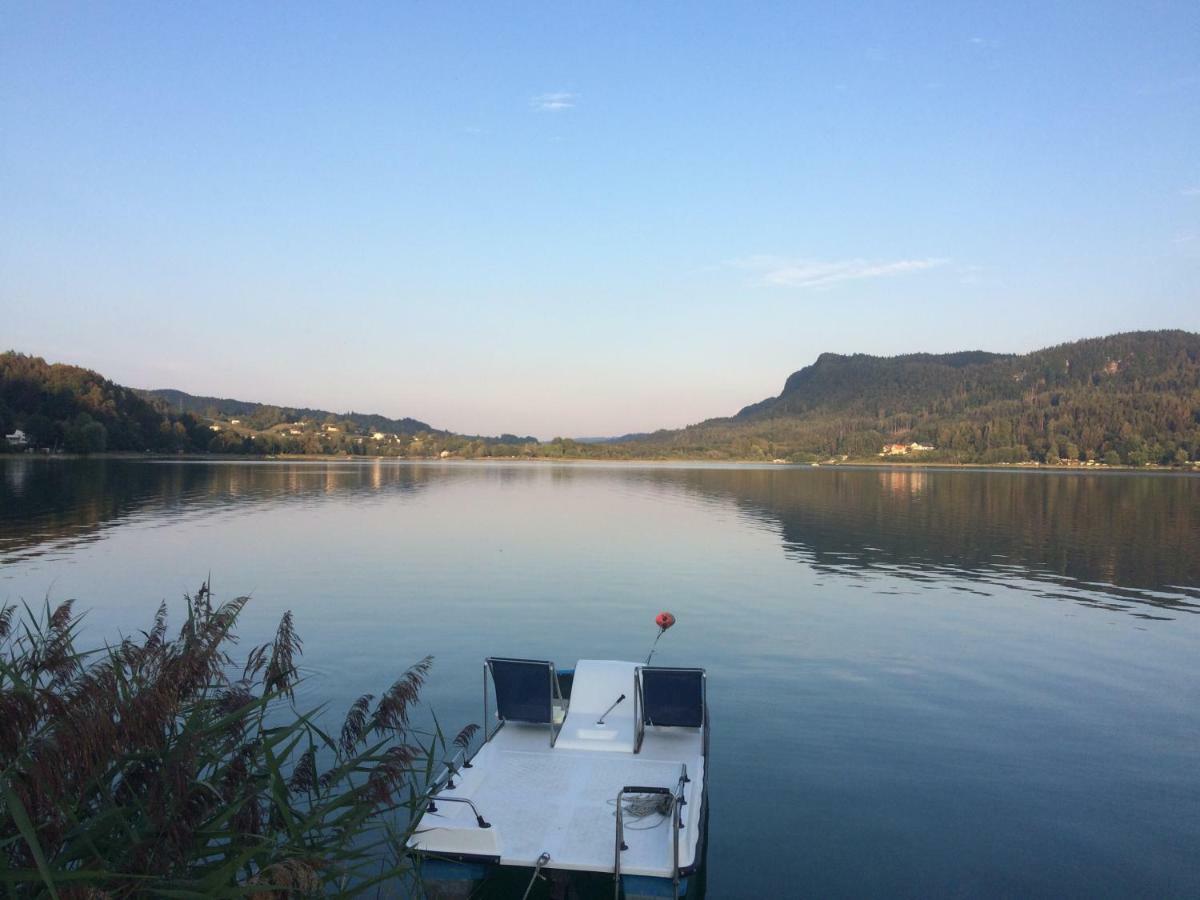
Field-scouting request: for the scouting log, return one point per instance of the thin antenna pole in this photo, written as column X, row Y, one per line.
column 654, row 646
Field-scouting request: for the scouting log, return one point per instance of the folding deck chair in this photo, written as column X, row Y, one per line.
column 669, row 697
column 526, row 691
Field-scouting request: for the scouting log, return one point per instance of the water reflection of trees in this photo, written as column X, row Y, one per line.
column 1135, row 535
column 44, row 503
column 1096, row 538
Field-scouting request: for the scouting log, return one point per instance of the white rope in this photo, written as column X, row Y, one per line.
column 541, row 861
column 642, row 806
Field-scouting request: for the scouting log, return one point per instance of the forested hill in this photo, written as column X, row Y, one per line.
column 81, row 411
column 1125, row 399
column 1132, row 398
column 67, row 408
column 264, row 415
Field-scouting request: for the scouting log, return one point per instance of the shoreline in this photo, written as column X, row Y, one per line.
column 1098, row 468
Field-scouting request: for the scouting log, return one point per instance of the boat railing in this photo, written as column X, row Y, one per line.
column 435, row 800
column 445, row 781
column 678, row 801
column 639, row 726
column 451, row 768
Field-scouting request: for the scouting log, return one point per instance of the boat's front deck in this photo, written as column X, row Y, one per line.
column 562, row 800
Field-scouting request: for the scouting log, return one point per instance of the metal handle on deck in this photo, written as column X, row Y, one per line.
column 432, row 807
column 600, row 721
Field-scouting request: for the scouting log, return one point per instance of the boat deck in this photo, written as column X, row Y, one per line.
column 562, row 800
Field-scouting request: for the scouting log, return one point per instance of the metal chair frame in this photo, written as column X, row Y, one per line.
column 639, row 702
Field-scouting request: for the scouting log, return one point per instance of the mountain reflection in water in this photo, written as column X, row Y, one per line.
column 1130, row 537
column 1105, row 539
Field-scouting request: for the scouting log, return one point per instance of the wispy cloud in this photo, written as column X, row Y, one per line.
column 556, row 101
column 1191, row 191
column 775, row 271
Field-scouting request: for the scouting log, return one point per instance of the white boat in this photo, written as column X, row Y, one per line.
column 594, row 773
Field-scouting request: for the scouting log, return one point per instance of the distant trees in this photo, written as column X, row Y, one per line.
column 85, row 435
column 1133, row 395
column 1130, row 397
column 41, row 430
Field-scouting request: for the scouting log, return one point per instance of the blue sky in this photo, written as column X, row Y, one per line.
column 584, row 218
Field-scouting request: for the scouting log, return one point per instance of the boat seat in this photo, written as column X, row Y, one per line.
column 601, row 714
column 527, row 691
column 671, row 697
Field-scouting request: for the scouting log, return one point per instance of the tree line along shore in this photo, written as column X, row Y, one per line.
column 1130, row 400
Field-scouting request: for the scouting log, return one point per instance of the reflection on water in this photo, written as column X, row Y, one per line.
column 1114, row 538
column 922, row 682
column 1101, row 539
column 48, row 505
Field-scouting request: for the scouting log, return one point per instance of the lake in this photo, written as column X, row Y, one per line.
column 921, row 682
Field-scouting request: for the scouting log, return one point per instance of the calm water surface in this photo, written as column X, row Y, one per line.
column 921, row 683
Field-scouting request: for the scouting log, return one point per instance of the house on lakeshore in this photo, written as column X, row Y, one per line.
column 904, row 449
column 17, row 439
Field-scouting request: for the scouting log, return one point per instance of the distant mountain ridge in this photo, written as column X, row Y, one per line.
column 970, row 378
column 835, row 378
column 1130, row 397
column 212, row 407
column 266, row 416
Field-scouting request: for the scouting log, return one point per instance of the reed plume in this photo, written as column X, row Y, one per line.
column 158, row 766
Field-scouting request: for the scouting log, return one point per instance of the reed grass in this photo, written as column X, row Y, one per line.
column 159, row 767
